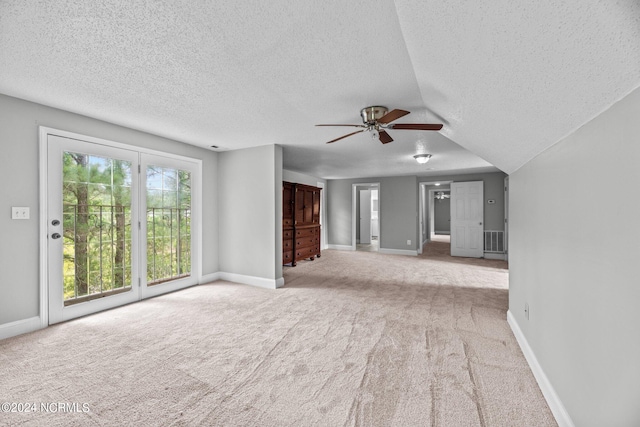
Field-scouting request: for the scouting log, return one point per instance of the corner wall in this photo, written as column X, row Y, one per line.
column 250, row 215
column 579, row 276
column 19, row 174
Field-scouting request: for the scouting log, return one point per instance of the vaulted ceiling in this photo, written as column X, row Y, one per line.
column 507, row 79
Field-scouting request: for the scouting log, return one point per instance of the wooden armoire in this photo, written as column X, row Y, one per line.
column 300, row 222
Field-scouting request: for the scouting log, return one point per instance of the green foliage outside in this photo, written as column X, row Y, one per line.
column 97, row 224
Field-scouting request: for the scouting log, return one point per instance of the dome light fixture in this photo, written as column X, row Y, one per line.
column 422, row 158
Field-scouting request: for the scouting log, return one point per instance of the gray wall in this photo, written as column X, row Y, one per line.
column 399, row 198
column 493, row 189
column 398, row 211
column 442, row 215
column 250, row 211
column 583, row 289
column 19, row 174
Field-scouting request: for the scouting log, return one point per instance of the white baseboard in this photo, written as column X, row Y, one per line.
column 495, row 256
column 260, row 282
column 411, row 252
column 20, row 327
column 553, row 400
column 446, row 233
column 208, row 278
column 341, row 247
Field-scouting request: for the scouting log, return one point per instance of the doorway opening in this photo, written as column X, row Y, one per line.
column 429, row 195
column 365, row 234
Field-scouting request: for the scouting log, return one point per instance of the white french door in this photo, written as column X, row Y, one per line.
column 467, row 215
column 120, row 225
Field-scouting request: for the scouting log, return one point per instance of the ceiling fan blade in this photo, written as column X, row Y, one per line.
column 417, row 126
column 357, row 126
column 392, row 115
column 385, row 138
column 342, row 137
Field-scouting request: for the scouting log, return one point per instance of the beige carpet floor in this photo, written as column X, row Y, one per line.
column 353, row 339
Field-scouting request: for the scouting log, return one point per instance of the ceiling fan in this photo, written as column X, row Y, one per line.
column 376, row 119
column 441, row 195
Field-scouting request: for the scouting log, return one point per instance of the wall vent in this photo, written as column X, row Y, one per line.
column 494, row 241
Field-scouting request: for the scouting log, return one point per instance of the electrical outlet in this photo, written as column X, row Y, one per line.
column 408, row 242
column 526, row 311
column 19, row 213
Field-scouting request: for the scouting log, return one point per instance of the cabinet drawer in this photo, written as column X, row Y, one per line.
column 306, row 232
column 287, row 257
column 306, row 252
column 287, row 245
column 287, row 234
column 303, row 242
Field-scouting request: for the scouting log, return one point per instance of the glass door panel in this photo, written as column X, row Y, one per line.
column 168, row 224
column 92, row 202
column 96, row 194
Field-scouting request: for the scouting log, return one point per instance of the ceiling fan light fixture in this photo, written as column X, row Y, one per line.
column 422, row 158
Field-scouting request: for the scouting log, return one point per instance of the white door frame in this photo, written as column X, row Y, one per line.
column 362, row 221
column 323, row 214
column 443, row 185
column 354, row 221
column 196, row 224
column 506, row 218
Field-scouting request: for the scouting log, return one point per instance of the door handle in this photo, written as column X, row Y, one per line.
column 55, row 222
column 56, row 236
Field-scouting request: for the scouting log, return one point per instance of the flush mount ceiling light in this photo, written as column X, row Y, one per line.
column 422, row 158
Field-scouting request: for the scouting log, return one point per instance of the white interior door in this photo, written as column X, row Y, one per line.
column 92, row 245
column 365, row 217
column 467, row 217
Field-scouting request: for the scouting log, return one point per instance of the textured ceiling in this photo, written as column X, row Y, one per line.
column 507, row 78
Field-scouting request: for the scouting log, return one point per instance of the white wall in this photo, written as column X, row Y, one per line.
column 300, row 178
column 250, row 212
column 579, row 278
column 19, row 251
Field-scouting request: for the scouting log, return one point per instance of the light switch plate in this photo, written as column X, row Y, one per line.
column 19, row 212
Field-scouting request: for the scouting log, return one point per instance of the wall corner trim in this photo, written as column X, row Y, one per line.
column 208, row 278
column 341, row 247
column 260, row 282
column 398, row 251
column 553, row 400
column 20, row 327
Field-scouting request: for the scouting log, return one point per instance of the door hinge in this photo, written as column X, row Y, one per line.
column 139, row 282
column 139, row 225
column 139, row 169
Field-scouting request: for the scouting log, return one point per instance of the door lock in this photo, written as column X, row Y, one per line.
column 56, row 236
column 55, row 222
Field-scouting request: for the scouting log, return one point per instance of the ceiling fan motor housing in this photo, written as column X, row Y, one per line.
column 370, row 115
